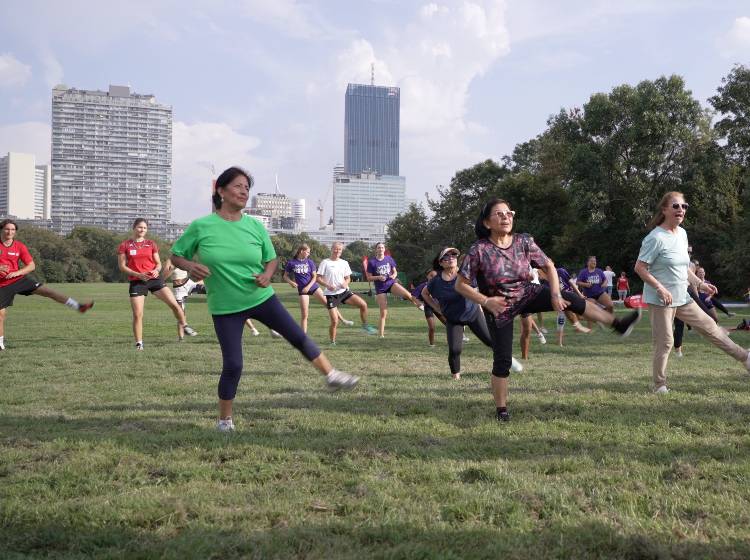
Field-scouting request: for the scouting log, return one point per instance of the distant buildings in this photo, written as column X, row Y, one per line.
column 277, row 211
column 111, row 159
column 24, row 187
column 372, row 123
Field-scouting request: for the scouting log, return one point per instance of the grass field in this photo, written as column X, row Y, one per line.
column 110, row 453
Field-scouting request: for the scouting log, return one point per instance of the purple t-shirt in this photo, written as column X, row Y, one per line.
column 384, row 267
column 417, row 292
column 505, row 272
column 302, row 270
column 596, row 277
column 564, row 276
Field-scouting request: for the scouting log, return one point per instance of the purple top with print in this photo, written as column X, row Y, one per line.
column 384, row 267
column 564, row 276
column 596, row 277
column 302, row 271
column 505, row 272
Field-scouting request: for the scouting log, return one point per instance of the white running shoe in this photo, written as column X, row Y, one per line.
column 541, row 338
column 225, row 425
column 515, row 365
column 678, row 352
column 274, row 334
column 139, row 345
column 347, row 322
column 190, row 331
column 466, row 338
column 661, row 390
column 256, row 332
column 421, row 307
column 336, row 380
column 2, row 346
column 457, row 376
column 544, row 331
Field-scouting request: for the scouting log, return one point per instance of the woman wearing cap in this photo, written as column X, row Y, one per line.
column 499, row 263
column 441, row 295
column 237, row 261
column 300, row 273
column 381, row 269
column 16, row 266
column 429, row 312
column 664, row 266
column 138, row 257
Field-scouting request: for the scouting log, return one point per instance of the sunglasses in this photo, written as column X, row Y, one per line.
column 504, row 214
column 684, row 206
column 449, row 256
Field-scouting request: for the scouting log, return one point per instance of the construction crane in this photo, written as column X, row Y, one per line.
column 321, row 204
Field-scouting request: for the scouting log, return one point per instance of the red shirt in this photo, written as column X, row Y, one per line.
column 622, row 283
column 10, row 256
column 139, row 255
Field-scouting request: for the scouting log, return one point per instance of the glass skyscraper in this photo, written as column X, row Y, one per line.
column 371, row 129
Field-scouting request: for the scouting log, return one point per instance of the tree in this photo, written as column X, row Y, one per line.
column 733, row 102
column 100, row 246
column 411, row 243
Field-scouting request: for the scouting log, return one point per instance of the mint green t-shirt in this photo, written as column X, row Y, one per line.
column 667, row 257
column 234, row 252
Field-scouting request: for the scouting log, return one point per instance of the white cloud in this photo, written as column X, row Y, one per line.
column 53, row 70
column 736, row 43
column 354, row 66
column 13, row 72
column 289, row 17
column 195, row 147
column 28, row 137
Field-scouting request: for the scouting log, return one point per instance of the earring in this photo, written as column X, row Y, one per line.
column 222, row 199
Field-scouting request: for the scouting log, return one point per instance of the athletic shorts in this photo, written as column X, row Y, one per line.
column 25, row 287
column 334, row 300
column 385, row 289
column 182, row 291
column 428, row 311
column 143, row 287
column 310, row 292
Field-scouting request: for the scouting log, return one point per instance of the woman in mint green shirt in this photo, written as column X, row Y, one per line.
column 664, row 266
column 233, row 254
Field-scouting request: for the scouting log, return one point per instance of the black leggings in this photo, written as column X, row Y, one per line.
column 455, row 332
column 229, row 329
column 502, row 336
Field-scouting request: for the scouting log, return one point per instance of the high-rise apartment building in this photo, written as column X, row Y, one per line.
column 371, row 129
column 365, row 203
column 111, row 159
column 24, row 187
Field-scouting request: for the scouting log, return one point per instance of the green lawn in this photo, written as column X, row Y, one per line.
column 106, row 452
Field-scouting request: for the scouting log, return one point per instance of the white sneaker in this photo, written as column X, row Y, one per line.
column 2, row 346
column 421, row 307
column 544, row 331
column 661, row 390
column 336, row 380
column 678, row 352
column 274, row 334
column 466, row 338
column 256, row 332
column 347, row 322
column 541, row 338
column 457, row 375
column 225, row 425
column 515, row 365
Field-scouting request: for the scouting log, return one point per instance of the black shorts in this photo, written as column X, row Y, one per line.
column 143, row 287
column 26, row 286
column 335, row 300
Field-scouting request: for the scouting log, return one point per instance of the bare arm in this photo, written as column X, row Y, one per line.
column 197, row 271
column 122, row 263
column 264, row 279
column 31, row 267
column 495, row 304
column 641, row 269
column 429, row 300
column 288, row 279
column 558, row 302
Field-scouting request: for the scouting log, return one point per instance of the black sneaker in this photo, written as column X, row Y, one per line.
column 503, row 416
column 625, row 325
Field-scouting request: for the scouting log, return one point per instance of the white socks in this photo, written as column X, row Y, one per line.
column 73, row 304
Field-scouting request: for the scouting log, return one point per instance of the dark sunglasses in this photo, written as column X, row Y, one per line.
column 449, row 256
column 684, row 206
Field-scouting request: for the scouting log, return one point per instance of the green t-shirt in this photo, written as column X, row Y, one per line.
column 666, row 255
column 234, row 252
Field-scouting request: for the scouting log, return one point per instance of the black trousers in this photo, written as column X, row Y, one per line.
column 455, row 333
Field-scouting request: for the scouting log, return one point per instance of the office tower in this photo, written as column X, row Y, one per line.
column 111, row 159
column 365, row 203
column 24, row 187
column 371, row 129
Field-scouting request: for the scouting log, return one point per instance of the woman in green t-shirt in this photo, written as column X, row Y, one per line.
column 233, row 254
column 664, row 266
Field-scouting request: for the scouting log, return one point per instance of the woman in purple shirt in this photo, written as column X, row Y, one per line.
column 499, row 263
column 300, row 273
column 381, row 269
column 594, row 284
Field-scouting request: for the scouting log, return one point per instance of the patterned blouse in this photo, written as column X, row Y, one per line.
column 505, row 272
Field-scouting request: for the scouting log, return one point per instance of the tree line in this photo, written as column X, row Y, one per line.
column 589, row 183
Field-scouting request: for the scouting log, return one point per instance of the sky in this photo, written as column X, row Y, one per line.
column 261, row 83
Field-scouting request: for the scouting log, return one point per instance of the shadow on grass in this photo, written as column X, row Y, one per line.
column 331, row 537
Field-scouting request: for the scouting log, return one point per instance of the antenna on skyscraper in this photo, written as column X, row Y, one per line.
column 372, row 73
column 278, row 190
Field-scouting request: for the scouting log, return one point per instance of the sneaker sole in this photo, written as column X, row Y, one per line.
column 632, row 325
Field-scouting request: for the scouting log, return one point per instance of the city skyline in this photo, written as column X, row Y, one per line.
column 261, row 84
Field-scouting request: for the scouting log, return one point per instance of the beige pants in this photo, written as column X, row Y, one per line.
column 662, row 320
